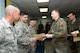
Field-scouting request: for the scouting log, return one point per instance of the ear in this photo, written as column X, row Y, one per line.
column 13, row 14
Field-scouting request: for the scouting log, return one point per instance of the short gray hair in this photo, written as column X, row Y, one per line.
column 11, row 8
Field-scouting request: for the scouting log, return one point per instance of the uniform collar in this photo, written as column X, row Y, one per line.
column 23, row 22
column 6, row 23
column 57, row 19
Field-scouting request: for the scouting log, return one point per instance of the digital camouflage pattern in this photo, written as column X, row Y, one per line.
column 8, row 38
column 24, row 37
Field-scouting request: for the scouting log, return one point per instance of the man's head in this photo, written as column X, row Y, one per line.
column 24, row 17
column 71, row 16
column 55, row 14
column 32, row 22
column 12, row 13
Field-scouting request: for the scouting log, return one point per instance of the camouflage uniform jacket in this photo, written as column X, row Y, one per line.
column 72, row 26
column 32, row 31
column 8, row 39
column 23, row 33
column 59, row 31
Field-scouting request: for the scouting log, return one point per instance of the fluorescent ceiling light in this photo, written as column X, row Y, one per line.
column 43, row 9
column 42, row 1
column 44, row 16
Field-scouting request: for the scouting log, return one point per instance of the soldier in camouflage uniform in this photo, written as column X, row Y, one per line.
column 8, row 38
column 58, row 33
column 32, row 25
column 25, row 38
column 73, row 25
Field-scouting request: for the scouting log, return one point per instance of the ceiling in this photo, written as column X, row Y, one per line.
column 32, row 7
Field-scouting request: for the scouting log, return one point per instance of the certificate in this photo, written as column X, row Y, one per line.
column 38, row 36
column 76, row 39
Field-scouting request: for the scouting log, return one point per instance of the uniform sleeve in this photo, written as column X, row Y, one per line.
column 1, row 33
column 61, row 31
column 22, row 37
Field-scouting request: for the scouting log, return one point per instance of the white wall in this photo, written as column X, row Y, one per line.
column 2, row 8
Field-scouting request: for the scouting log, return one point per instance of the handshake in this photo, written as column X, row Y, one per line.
column 42, row 36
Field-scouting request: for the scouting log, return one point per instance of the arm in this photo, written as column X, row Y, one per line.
column 22, row 36
column 2, row 33
column 60, row 30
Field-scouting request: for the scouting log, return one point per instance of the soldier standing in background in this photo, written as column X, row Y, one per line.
column 25, row 38
column 47, row 27
column 40, row 44
column 58, row 33
column 73, row 25
column 8, row 38
column 40, row 28
column 32, row 25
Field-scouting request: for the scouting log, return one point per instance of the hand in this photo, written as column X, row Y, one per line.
column 73, row 34
column 42, row 39
column 48, row 35
column 34, row 39
column 33, row 44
